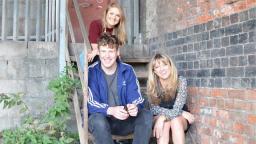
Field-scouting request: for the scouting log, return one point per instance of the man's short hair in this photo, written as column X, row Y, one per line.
column 107, row 39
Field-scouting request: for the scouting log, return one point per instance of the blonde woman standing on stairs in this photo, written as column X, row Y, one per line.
column 112, row 22
column 167, row 94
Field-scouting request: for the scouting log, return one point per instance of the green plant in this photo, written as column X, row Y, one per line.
column 51, row 128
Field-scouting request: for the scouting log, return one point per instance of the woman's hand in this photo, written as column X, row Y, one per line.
column 159, row 125
column 91, row 55
column 190, row 117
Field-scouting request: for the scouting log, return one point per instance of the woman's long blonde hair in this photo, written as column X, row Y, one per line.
column 153, row 90
column 119, row 29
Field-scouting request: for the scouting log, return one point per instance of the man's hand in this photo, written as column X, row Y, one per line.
column 188, row 116
column 118, row 112
column 159, row 126
column 132, row 109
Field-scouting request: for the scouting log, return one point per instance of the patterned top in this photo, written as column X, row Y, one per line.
column 178, row 104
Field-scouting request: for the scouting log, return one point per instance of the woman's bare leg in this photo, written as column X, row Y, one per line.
column 178, row 126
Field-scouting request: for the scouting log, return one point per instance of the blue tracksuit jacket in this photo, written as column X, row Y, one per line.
column 128, row 88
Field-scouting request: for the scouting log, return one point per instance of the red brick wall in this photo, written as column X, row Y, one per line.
column 223, row 115
column 202, row 37
column 201, row 11
column 159, row 17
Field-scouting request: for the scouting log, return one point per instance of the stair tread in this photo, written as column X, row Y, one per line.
column 141, row 74
column 136, row 60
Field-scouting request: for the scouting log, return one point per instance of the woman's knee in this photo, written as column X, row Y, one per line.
column 177, row 123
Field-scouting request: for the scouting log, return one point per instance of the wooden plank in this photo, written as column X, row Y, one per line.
column 15, row 18
column 85, row 80
column 4, row 6
column 27, row 20
column 46, row 20
column 76, row 105
column 38, row 21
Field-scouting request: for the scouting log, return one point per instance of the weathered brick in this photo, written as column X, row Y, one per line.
column 217, row 43
column 218, row 82
column 234, row 40
column 190, row 65
column 217, row 33
column 181, row 65
column 225, row 21
column 180, row 57
column 243, row 38
column 169, row 35
column 217, row 92
column 217, row 23
column 190, row 48
column 235, row 82
column 204, row 82
column 238, row 61
column 233, row 29
column 204, row 54
column 224, row 62
column 191, row 73
column 190, row 56
column 196, row 64
column 203, row 45
column 234, row 18
column 251, row 94
column 253, row 82
column 249, row 48
column 235, row 72
column 185, row 48
column 252, row 59
column 203, row 73
column 250, row 71
column 237, row 94
column 218, row 52
column 225, row 41
column 242, row 105
column 218, row 72
column 246, row 82
column 244, row 16
column 234, row 50
column 249, row 25
column 190, row 30
column 216, row 63
column 212, row 102
column 209, row 44
column 229, row 103
column 209, row 25
column 252, row 36
column 204, row 92
column 252, row 13
column 251, row 118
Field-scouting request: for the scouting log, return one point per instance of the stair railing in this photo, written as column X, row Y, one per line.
column 82, row 130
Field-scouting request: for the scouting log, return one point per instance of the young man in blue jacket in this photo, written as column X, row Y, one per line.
column 115, row 103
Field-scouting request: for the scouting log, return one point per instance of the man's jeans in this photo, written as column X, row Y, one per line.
column 102, row 127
